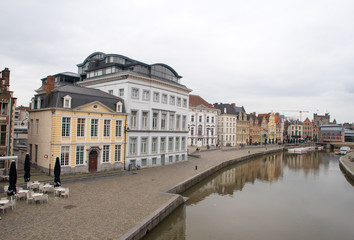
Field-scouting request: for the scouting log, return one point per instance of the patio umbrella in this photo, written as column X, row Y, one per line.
column 12, row 179
column 27, row 169
column 57, row 173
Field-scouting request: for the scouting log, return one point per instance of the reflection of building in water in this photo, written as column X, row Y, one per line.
column 268, row 168
column 306, row 162
column 176, row 223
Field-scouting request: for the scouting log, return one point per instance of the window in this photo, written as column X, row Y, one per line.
column 164, row 98
column 178, row 120
column 172, row 100
column 177, row 158
column 79, row 155
column 118, row 153
column 146, row 95
column 154, row 160
column 37, row 126
column 200, row 130
column 106, row 128
column 208, row 118
column 144, row 122
column 143, row 162
column 179, row 102
column 119, row 106
column 177, row 144
column 163, row 121
column 121, row 92
column 172, row 118
column 212, row 119
column 80, row 127
column 133, row 117
column 163, row 144
column 118, row 128
column 135, row 93
column 154, row 120
column 64, row 155
column 94, row 127
column 170, row 158
column 156, row 97
column 143, row 149
column 35, row 153
column 110, row 92
column 67, row 101
column 132, row 146
column 105, row 153
column 184, row 121
column 183, row 144
column 192, row 131
column 31, row 126
column 154, row 145
column 170, row 144
column 65, row 127
column 192, row 118
column 184, row 102
column 200, row 118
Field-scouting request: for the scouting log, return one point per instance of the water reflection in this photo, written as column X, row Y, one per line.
column 267, row 195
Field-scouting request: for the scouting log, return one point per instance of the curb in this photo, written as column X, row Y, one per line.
column 345, row 167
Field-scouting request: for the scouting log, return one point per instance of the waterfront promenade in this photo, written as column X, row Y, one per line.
column 106, row 208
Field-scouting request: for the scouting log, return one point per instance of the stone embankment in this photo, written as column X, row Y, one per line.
column 347, row 164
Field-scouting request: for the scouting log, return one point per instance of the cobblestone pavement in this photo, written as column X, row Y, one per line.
column 106, row 208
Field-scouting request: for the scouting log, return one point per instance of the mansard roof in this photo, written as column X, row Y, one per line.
column 195, row 101
column 100, row 60
column 225, row 108
column 79, row 96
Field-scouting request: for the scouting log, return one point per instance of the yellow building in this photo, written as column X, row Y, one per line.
column 84, row 127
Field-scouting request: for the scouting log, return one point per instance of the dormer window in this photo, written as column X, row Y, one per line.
column 119, row 107
column 38, row 103
column 67, row 101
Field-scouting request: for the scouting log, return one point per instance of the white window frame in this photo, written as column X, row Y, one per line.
column 80, row 155
column 65, row 155
column 118, row 153
column 105, row 153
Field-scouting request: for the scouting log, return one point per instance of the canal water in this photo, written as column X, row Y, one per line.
column 277, row 196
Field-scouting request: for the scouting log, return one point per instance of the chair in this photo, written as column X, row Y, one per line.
column 41, row 187
column 29, row 185
column 12, row 203
column 4, row 207
column 65, row 193
column 45, row 197
column 6, row 187
column 30, row 197
column 4, row 198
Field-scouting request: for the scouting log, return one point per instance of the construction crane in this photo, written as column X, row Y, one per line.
column 299, row 111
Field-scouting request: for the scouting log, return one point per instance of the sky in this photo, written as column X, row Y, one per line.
column 276, row 55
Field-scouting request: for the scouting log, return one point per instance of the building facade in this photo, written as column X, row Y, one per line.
column 7, row 114
column 307, row 130
column 202, row 122
column 332, row 133
column 226, row 124
column 155, row 100
column 254, row 129
column 21, row 132
column 295, row 131
column 83, row 127
column 242, row 126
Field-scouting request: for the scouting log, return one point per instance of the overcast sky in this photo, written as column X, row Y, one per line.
column 264, row 55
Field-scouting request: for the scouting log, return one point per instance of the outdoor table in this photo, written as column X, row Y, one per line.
column 58, row 190
column 48, row 188
column 3, row 202
column 37, row 196
column 34, row 185
column 22, row 193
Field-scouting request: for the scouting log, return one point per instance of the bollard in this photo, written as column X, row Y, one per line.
column 196, row 167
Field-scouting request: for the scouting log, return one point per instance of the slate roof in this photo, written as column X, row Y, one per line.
column 80, row 96
column 229, row 108
column 195, row 101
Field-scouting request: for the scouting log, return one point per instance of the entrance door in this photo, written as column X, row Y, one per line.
column 163, row 159
column 93, row 161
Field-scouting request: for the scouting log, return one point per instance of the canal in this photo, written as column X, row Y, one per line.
column 277, row 196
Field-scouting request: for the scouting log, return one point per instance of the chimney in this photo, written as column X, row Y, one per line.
column 224, row 109
column 49, row 85
column 5, row 75
column 233, row 104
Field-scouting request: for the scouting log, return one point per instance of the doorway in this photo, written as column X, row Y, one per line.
column 93, row 161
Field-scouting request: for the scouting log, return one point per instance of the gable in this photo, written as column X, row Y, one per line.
column 94, row 107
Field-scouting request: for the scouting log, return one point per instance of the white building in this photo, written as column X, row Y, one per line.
column 227, row 119
column 202, row 122
column 155, row 100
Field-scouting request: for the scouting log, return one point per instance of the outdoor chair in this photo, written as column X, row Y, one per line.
column 65, row 193
column 45, row 197
column 12, row 204
column 4, row 198
column 4, row 207
column 29, row 185
column 30, row 197
column 6, row 187
column 41, row 188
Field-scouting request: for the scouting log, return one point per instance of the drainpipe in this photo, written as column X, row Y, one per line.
column 125, row 143
column 9, row 129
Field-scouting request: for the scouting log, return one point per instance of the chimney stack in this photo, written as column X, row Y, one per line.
column 233, row 104
column 50, row 84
